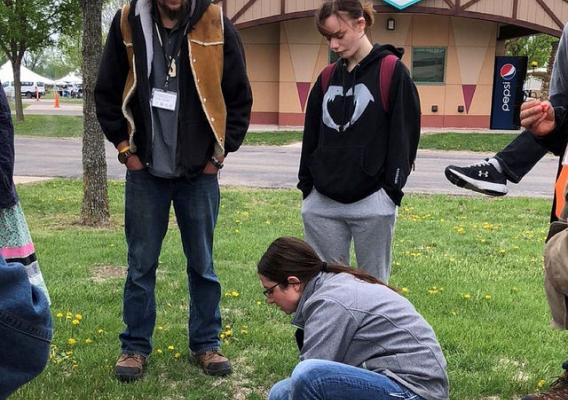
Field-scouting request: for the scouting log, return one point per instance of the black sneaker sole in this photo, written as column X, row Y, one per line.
column 458, row 181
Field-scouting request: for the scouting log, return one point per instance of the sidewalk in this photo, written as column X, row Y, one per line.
column 29, row 179
column 46, row 107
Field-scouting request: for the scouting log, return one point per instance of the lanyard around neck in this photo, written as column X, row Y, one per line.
column 170, row 60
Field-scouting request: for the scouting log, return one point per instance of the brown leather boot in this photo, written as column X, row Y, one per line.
column 130, row 367
column 213, row 363
column 557, row 391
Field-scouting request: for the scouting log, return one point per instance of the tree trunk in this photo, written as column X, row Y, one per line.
column 95, row 209
column 546, row 79
column 16, row 64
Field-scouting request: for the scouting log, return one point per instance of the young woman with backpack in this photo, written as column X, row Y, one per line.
column 360, row 139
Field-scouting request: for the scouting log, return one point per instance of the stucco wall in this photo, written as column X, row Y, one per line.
column 285, row 58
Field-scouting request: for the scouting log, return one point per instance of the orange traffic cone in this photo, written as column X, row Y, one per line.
column 56, row 102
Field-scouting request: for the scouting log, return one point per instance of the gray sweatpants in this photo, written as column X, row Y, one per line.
column 329, row 227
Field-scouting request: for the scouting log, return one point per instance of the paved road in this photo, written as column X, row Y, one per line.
column 270, row 167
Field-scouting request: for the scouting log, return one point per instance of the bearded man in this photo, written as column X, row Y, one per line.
column 173, row 96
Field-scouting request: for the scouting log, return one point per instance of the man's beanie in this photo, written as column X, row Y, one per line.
column 25, row 328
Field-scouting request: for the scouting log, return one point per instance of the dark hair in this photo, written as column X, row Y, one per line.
column 289, row 256
column 354, row 9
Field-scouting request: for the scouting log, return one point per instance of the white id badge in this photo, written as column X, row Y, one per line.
column 164, row 99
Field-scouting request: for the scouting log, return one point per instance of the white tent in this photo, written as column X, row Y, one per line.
column 25, row 75
column 71, row 78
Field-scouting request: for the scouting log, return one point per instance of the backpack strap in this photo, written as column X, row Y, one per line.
column 388, row 64
column 326, row 75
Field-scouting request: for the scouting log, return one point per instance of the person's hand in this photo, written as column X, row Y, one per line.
column 210, row 169
column 538, row 117
column 133, row 163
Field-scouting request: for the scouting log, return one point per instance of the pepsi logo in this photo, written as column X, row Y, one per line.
column 508, row 72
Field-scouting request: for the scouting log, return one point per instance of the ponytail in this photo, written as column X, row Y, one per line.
column 288, row 256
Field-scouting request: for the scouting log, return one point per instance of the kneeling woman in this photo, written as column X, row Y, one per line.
column 361, row 340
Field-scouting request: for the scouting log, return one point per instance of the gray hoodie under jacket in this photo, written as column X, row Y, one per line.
column 371, row 326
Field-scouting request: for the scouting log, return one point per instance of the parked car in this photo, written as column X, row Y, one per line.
column 71, row 90
column 28, row 88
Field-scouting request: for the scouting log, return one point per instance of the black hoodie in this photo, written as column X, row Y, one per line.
column 195, row 138
column 351, row 146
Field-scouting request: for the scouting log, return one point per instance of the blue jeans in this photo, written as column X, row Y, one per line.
column 329, row 380
column 147, row 209
column 25, row 328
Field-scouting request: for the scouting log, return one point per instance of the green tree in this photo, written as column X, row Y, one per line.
column 536, row 47
column 27, row 25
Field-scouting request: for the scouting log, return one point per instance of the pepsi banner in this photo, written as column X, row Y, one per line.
column 508, row 80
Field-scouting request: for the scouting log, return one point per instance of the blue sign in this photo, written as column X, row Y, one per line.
column 508, row 79
column 401, row 4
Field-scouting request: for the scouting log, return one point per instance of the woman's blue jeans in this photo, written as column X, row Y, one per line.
column 147, row 211
column 329, row 380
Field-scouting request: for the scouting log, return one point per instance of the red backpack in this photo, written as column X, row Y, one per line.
column 386, row 68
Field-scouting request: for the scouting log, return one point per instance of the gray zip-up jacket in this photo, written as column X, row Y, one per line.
column 370, row 326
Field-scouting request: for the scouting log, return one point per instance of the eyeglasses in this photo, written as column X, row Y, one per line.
column 268, row 292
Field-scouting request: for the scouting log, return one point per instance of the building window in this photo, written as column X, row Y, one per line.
column 428, row 64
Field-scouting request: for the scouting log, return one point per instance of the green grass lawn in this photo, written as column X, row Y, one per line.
column 273, row 138
column 471, row 266
column 485, row 142
column 49, row 126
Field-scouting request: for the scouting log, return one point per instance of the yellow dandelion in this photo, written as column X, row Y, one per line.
column 487, row 297
column 234, row 293
column 540, row 383
column 159, row 351
column 258, row 302
column 78, row 316
column 59, row 315
column 88, row 341
column 222, row 336
column 171, row 348
column 177, row 355
column 467, row 296
column 75, row 322
column 244, row 331
column 71, row 341
column 100, row 331
column 404, row 290
column 227, row 326
column 160, row 328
